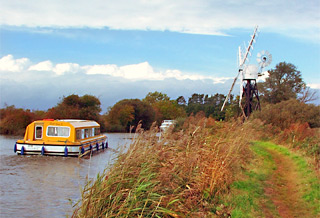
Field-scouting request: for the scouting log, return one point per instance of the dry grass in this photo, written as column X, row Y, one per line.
column 182, row 175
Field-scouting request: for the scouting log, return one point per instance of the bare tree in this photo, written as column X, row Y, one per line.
column 307, row 95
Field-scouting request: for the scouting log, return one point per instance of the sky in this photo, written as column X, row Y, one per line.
column 125, row 49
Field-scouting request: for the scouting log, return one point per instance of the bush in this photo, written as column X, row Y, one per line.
column 294, row 124
column 14, row 120
column 285, row 113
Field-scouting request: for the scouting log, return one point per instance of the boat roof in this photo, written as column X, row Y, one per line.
column 168, row 121
column 81, row 123
column 75, row 122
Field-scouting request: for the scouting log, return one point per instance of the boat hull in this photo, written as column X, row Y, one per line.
column 59, row 149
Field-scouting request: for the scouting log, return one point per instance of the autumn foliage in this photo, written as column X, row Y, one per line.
column 285, row 113
column 128, row 113
column 181, row 175
column 73, row 106
column 292, row 123
column 14, row 120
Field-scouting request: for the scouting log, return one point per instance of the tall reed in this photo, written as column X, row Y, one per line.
column 181, row 175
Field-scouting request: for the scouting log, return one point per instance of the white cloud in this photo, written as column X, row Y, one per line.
column 61, row 69
column 58, row 69
column 42, row 66
column 139, row 71
column 300, row 19
column 28, row 87
column 109, row 69
column 144, row 71
column 314, row 85
column 8, row 63
column 132, row 72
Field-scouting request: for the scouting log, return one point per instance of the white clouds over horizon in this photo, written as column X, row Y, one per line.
column 8, row 63
column 213, row 17
column 132, row 72
column 41, row 85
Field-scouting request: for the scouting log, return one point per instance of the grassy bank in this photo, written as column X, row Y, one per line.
column 277, row 183
column 208, row 169
column 182, row 175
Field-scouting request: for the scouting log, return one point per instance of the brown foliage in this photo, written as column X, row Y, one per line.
column 285, row 113
column 86, row 107
column 298, row 132
column 13, row 121
column 181, row 175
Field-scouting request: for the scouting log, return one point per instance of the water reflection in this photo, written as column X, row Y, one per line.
column 41, row 186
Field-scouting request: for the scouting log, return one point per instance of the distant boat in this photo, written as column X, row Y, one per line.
column 61, row 137
column 166, row 124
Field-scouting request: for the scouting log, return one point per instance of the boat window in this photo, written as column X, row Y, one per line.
column 96, row 131
column 38, row 132
column 59, row 131
column 78, row 134
column 87, row 133
column 82, row 134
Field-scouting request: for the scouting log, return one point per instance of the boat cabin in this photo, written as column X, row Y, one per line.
column 61, row 137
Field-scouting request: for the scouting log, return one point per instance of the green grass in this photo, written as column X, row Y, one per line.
column 247, row 194
column 308, row 179
column 247, row 198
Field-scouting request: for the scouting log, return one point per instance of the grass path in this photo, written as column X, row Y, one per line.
column 283, row 188
column 278, row 183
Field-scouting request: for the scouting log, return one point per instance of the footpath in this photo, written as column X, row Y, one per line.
column 279, row 183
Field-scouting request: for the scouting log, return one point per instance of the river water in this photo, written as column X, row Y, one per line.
column 43, row 186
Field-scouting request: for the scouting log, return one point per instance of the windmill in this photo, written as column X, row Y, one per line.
column 248, row 77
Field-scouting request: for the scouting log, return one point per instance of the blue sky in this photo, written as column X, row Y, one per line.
column 125, row 49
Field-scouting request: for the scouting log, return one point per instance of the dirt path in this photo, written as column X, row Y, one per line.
column 283, row 189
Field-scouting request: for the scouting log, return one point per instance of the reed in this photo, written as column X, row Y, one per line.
column 181, row 175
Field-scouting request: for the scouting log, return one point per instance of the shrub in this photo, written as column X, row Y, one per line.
column 14, row 120
column 285, row 113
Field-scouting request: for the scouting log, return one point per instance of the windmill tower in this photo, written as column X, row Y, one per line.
column 248, row 77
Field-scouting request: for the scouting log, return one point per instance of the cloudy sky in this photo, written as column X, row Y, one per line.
column 125, row 49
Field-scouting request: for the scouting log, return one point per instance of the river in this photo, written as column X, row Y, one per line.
column 44, row 186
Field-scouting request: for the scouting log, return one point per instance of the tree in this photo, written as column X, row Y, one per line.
column 284, row 82
column 153, row 97
column 307, row 95
column 14, row 120
column 195, row 104
column 127, row 113
column 73, row 106
column 164, row 108
column 169, row 110
column 119, row 116
column 210, row 105
column 181, row 101
column 196, row 99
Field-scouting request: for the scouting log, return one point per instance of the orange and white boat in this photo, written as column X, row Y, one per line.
column 61, row 137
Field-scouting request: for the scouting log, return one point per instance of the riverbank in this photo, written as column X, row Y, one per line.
column 184, row 174
column 189, row 173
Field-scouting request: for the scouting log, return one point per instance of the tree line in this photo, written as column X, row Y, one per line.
column 284, row 84
column 121, row 117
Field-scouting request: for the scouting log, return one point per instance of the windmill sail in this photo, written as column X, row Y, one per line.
column 242, row 61
column 228, row 96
